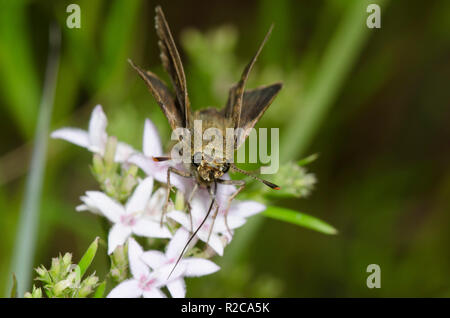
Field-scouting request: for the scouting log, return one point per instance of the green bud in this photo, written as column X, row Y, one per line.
column 67, row 261
column 133, row 170
column 119, row 264
column 59, row 287
column 36, row 293
column 43, row 275
column 294, row 180
column 87, row 286
column 128, row 183
column 98, row 167
column 109, row 188
column 110, row 152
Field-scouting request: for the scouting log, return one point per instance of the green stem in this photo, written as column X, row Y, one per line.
column 25, row 242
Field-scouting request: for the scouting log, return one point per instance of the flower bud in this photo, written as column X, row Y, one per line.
column 110, row 152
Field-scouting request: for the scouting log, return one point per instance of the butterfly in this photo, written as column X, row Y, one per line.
column 242, row 111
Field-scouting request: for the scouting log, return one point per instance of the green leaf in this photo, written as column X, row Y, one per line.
column 299, row 218
column 100, row 291
column 88, row 256
column 14, row 287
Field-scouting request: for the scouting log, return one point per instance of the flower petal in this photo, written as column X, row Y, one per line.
column 154, row 258
column 177, row 243
column 154, row 293
column 126, row 289
column 158, row 170
column 140, row 196
column 155, row 205
column 150, row 228
column 117, row 236
column 246, row 209
column 199, row 266
column 109, row 208
column 233, row 222
column 123, row 152
column 214, row 241
column 137, row 266
column 151, row 141
column 97, row 129
column 177, row 288
column 199, row 207
column 74, row 135
column 181, row 218
column 88, row 205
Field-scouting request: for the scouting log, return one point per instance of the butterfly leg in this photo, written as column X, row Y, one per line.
column 169, row 187
column 241, row 185
column 188, row 203
column 212, row 223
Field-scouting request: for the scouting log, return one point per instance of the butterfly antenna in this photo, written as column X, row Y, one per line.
column 267, row 183
column 196, row 231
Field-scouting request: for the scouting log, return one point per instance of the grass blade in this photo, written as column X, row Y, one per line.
column 338, row 60
column 298, row 218
column 24, row 248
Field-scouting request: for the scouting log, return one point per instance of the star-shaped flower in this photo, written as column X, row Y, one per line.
column 95, row 138
column 199, row 209
column 151, row 147
column 187, row 267
column 145, row 282
column 130, row 218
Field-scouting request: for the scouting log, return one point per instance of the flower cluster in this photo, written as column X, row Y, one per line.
column 134, row 205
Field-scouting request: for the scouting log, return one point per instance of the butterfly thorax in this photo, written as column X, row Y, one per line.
column 211, row 154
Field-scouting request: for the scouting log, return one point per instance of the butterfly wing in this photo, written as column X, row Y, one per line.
column 172, row 64
column 163, row 96
column 255, row 103
column 246, row 107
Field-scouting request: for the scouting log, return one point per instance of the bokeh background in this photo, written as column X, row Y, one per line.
column 373, row 103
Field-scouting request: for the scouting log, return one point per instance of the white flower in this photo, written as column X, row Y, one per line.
column 95, row 138
column 189, row 266
column 88, row 205
column 155, row 205
column 144, row 282
column 199, row 209
column 151, row 147
column 130, row 218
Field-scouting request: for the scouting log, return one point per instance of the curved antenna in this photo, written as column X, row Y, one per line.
column 213, row 196
column 267, row 183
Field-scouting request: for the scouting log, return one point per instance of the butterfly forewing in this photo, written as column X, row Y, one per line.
column 163, row 96
column 172, row 64
column 234, row 104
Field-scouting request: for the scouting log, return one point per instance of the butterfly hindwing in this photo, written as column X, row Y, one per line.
column 255, row 102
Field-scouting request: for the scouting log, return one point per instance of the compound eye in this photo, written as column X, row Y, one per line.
column 226, row 167
column 197, row 159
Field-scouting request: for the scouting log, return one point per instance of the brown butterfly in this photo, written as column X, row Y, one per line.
column 241, row 112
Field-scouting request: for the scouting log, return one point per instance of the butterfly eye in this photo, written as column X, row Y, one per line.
column 225, row 167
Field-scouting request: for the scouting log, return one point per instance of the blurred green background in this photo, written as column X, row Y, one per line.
column 374, row 103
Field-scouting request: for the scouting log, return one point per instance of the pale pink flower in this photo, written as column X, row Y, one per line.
column 95, row 138
column 130, row 218
column 145, row 282
column 187, row 267
column 151, row 147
